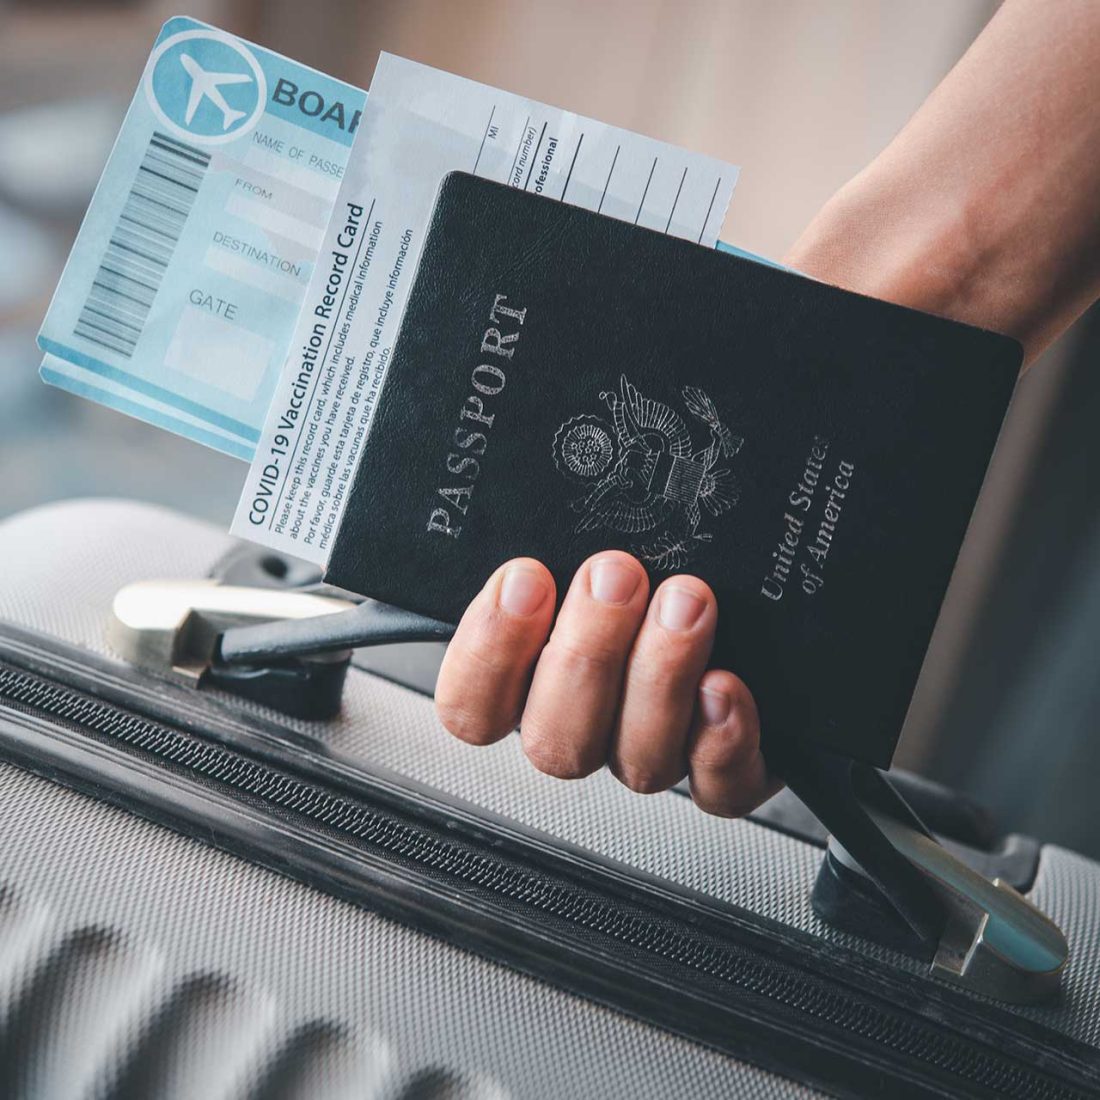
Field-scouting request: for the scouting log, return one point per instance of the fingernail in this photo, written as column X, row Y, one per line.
column 522, row 591
column 715, row 706
column 610, row 581
column 679, row 608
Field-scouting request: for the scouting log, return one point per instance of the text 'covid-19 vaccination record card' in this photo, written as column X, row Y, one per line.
column 183, row 287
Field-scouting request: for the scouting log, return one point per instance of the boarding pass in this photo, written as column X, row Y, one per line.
column 182, row 289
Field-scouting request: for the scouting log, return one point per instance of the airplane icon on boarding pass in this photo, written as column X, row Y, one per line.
column 205, row 85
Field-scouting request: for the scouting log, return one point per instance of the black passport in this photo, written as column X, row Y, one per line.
column 564, row 383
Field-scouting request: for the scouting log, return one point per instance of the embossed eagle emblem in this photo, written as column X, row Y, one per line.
column 644, row 475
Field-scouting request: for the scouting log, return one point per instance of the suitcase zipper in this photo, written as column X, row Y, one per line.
column 749, row 988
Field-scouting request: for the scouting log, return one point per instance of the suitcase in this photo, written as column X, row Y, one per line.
column 203, row 897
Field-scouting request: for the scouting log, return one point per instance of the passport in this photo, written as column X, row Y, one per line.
column 564, row 383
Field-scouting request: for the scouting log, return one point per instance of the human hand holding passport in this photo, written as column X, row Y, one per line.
column 563, row 384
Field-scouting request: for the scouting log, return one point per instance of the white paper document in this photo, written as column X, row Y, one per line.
column 419, row 124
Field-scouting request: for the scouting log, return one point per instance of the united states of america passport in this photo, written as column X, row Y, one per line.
column 564, row 383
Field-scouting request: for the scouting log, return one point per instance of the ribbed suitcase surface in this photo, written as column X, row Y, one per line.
column 134, row 961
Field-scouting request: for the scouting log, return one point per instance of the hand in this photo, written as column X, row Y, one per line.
column 621, row 681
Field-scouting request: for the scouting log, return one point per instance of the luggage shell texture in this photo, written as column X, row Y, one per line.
column 131, row 955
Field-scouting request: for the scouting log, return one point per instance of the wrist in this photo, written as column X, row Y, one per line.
column 879, row 236
column 916, row 236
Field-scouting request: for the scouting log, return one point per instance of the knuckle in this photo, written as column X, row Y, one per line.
column 645, row 780
column 468, row 723
column 496, row 652
column 647, row 772
column 725, row 753
column 563, row 761
column 668, row 673
column 592, row 652
column 719, row 807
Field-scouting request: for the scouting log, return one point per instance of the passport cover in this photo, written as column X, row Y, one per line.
column 563, row 383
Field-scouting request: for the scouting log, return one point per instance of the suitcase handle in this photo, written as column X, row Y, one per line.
column 288, row 649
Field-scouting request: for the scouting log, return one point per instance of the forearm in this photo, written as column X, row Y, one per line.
column 986, row 207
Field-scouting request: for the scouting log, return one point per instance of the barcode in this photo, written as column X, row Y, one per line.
column 141, row 244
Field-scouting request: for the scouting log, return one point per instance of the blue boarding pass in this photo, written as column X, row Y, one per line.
column 182, row 290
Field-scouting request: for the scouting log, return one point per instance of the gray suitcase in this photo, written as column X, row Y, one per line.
column 200, row 897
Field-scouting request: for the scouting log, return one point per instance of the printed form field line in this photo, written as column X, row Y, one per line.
column 278, row 222
column 324, row 187
column 243, row 271
column 607, row 183
column 649, row 180
column 307, row 412
column 710, row 207
column 283, row 195
column 484, row 138
column 572, row 163
column 668, row 224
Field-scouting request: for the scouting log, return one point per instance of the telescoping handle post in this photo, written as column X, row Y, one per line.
column 284, row 648
column 975, row 932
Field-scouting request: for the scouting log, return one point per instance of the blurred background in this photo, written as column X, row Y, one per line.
column 802, row 94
